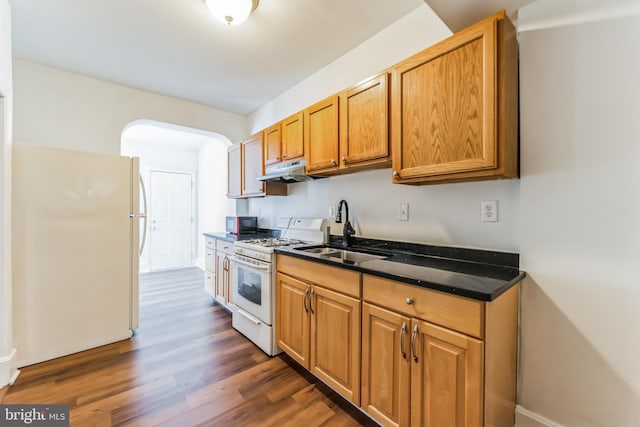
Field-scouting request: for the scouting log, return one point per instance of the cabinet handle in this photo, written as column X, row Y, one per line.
column 402, row 335
column 277, row 159
column 311, row 302
column 396, row 173
column 333, row 161
column 344, row 160
column 304, row 300
column 414, row 337
column 409, row 301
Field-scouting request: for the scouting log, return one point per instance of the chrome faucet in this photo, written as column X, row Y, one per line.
column 347, row 230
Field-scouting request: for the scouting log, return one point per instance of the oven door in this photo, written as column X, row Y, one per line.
column 251, row 288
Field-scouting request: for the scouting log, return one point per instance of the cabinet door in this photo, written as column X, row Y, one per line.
column 253, row 166
column 335, row 341
column 292, row 318
column 221, row 277
column 321, row 137
column 364, row 123
column 293, row 136
column 446, row 377
column 444, row 104
column 386, row 365
column 234, row 169
column 272, row 144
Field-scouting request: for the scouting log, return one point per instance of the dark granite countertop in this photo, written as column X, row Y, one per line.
column 262, row 233
column 478, row 274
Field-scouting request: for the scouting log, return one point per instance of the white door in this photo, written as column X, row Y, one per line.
column 170, row 225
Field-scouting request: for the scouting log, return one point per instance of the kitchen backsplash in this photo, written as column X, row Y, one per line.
column 445, row 214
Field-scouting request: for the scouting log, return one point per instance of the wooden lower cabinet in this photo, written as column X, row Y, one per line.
column 407, row 355
column 419, row 374
column 224, row 250
column 446, row 377
column 292, row 318
column 335, row 341
column 222, row 278
column 386, row 365
column 320, row 329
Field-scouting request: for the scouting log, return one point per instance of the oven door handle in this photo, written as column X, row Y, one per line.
column 248, row 317
column 266, row 267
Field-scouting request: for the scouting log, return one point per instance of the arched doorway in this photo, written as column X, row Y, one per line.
column 185, row 173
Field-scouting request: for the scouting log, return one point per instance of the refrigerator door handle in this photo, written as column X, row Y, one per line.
column 144, row 214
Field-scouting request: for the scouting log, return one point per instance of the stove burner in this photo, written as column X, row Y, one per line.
column 273, row 242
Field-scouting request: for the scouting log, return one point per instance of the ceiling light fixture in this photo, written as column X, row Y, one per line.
column 231, row 12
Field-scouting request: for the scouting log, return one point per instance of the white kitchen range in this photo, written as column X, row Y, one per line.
column 253, row 278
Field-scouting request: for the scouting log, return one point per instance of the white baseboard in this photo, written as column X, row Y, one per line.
column 7, row 373
column 527, row 418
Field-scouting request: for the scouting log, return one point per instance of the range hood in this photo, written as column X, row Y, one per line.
column 287, row 172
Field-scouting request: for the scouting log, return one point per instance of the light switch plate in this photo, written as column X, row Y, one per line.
column 403, row 212
column 489, row 211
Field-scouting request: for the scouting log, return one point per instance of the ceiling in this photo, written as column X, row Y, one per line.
column 176, row 48
column 459, row 14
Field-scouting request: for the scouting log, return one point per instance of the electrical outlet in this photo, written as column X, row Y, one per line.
column 403, row 212
column 332, row 211
column 489, row 211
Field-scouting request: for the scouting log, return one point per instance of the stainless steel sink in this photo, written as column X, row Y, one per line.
column 319, row 251
column 344, row 255
column 350, row 256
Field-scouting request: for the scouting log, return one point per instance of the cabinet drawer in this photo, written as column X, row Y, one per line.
column 210, row 243
column 210, row 260
column 335, row 278
column 210, row 283
column 458, row 313
column 224, row 246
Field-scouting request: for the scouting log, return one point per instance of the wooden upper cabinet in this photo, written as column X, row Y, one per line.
column 364, row 123
column 454, row 107
column 292, row 137
column 253, row 165
column 321, row 135
column 245, row 165
column 234, row 171
column 272, row 144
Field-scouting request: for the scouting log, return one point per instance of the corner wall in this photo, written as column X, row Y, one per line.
column 7, row 370
column 580, row 211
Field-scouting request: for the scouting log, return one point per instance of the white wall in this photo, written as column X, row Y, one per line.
column 61, row 109
column 7, row 370
column 213, row 202
column 580, row 212
column 408, row 35
column 445, row 214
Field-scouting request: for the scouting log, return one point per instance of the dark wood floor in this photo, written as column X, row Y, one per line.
column 185, row 366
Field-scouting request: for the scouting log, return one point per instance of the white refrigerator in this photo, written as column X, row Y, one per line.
column 76, row 245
